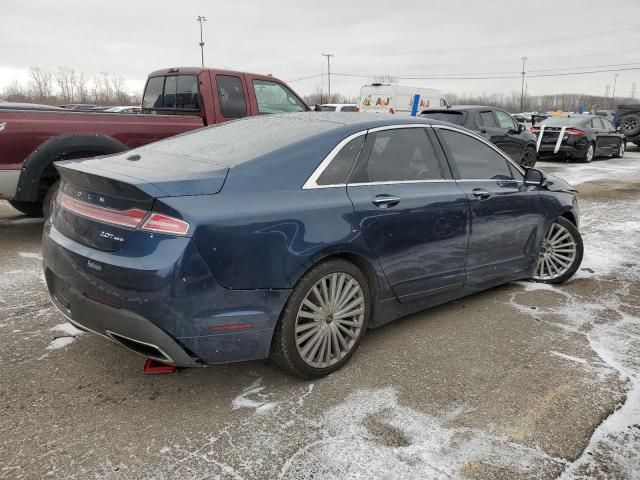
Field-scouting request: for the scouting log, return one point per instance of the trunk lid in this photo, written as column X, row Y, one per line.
column 103, row 202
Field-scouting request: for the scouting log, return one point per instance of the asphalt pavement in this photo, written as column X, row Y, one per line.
column 522, row 381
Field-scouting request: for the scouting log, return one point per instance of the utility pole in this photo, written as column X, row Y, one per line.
column 201, row 19
column 613, row 95
column 328, row 55
column 606, row 91
column 524, row 61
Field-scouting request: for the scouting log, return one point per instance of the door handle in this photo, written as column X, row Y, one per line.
column 481, row 193
column 385, row 201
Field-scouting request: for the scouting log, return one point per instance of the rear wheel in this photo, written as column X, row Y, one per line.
column 529, row 157
column 560, row 254
column 31, row 209
column 620, row 152
column 589, row 153
column 323, row 321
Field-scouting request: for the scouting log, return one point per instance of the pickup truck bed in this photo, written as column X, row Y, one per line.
column 176, row 100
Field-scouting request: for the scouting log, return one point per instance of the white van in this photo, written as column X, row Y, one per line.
column 398, row 99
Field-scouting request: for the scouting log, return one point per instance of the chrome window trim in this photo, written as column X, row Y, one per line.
column 400, row 182
column 312, row 181
column 486, row 142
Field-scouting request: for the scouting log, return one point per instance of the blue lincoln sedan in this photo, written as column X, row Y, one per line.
column 288, row 236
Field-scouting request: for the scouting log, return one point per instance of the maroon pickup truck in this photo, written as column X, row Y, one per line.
column 175, row 100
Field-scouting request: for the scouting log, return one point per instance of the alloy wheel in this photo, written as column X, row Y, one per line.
column 589, row 156
column 557, row 255
column 329, row 320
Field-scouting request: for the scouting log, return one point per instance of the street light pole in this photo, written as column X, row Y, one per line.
column 201, row 19
column 613, row 95
column 328, row 55
column 524, row 61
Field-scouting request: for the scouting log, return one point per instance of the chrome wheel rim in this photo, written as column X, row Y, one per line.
column 330, row 320
column 590, row 153
column 557, row 254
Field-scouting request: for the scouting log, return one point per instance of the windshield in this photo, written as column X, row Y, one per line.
column 451, row 117
column 562, row 121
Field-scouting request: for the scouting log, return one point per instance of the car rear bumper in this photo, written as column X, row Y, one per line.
column 163, row 304
column 573, row 151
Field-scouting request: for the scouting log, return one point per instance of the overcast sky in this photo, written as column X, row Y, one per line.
column 423, row 38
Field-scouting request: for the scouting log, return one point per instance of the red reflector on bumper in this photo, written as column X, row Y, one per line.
column 153, row 366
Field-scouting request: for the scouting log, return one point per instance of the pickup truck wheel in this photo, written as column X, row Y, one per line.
column 630, row 124
column 31, row 209
column 47, row 203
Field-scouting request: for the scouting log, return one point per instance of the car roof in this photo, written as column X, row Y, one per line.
column 355, row 120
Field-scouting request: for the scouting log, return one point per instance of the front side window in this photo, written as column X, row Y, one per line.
column 487, row 119
column 505, row 120
column 398, row 155
column 473, row 159
column 231, row 95
column 273, row 97
column 340, row 167
column 607, row 124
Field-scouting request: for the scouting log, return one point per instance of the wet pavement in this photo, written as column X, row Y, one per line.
column 522, row 381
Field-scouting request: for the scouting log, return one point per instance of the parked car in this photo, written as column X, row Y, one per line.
column 522, row 117
column 628, row 118
column 398, row 99
column 129, row 109
column 26, row 106
column 339, row 107
column 582, row 137
column 495, row 125
column 178, row 99
column 207, row 248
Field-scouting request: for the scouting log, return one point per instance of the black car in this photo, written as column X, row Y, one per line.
column 582, row 137
column 496, row 125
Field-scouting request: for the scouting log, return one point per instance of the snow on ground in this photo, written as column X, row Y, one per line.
column 68, row 333
column 625, row 168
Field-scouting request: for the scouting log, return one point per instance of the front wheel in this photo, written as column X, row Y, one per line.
column 529, row 157
column 560, row 254
column 323, row 321
column 620, row 152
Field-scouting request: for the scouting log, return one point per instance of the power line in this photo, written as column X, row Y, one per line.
column 305, row 78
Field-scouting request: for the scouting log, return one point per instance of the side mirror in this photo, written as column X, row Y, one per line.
column 536, row 177
column 618, row 129
column 521, row 127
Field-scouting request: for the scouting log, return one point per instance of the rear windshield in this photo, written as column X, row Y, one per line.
column 562, row 121
column 232, row 143
column 451, row 117
column 172, row 92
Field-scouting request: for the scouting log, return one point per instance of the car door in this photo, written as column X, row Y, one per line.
column 612, row 137
column 506, row 218
column 411, row 213
column 492, row 131
column 514, row 141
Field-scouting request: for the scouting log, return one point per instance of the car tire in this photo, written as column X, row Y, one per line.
column 49, row 198
column 560, row 254
column 308, row 341
column 630, row 125
column 529, row 157
column 589, row 153
column 31, row 209
column 621, row 148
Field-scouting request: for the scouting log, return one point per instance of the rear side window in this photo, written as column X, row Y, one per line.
column 173, row 92
column 487, row 119
column 273, row 97
column 340, row 167
column 231, row 95
column 398, row 155
column 473, row 159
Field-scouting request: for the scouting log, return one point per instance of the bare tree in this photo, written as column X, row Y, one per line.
column 65, row 78
column 41, row 83
column 81, row 88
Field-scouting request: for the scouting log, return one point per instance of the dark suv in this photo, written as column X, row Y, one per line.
column 495, row 125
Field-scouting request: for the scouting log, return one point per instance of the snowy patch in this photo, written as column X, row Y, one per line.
column 568, row 357
column 69, row 334
column 35, row 256
column 21, row 221
column 258, row 402
column 609, row 169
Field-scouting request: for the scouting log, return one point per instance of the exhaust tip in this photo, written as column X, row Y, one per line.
column 145, row 349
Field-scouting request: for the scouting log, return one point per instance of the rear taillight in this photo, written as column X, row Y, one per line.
column 125, row 218
column 131, row 218
column 160, row 223
column 574, row 132
column 357, row 109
